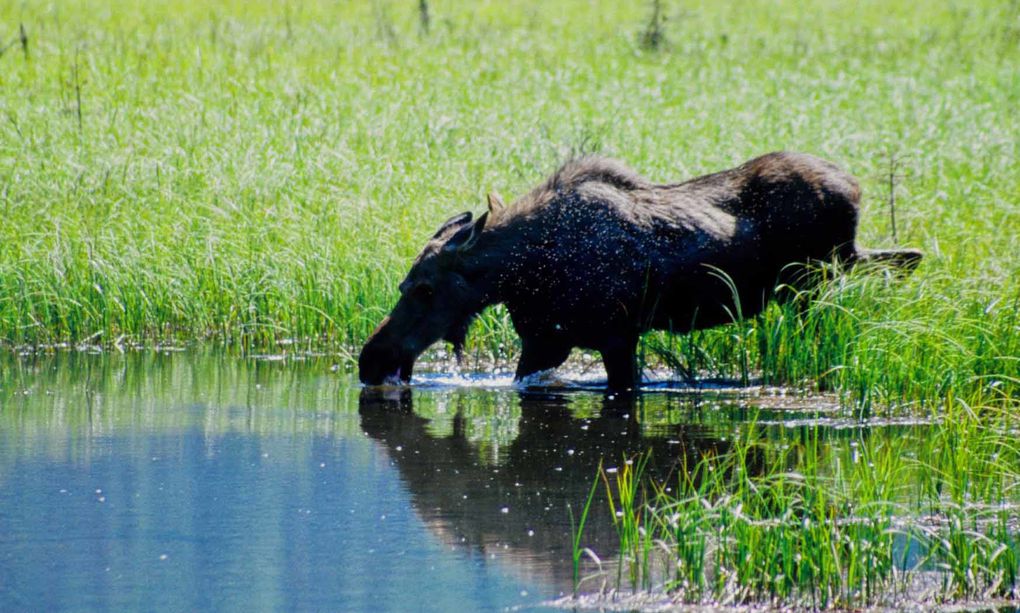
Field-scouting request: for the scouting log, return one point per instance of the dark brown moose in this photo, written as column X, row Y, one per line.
column 597, row 255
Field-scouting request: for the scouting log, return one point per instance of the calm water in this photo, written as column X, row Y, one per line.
column 187, row 481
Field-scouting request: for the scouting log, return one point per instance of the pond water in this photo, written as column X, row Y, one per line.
column 183, row 481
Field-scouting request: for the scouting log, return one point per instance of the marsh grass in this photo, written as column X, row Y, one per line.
column 630, row 519
column 879, row 339
column 577, row 533
column 257, row 172
column 879, row 522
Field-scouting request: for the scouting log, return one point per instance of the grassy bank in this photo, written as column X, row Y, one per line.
column 251, row 172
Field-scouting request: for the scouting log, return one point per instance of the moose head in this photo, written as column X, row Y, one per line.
column 438, row 299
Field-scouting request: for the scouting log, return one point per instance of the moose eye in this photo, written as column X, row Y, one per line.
column 423, row 291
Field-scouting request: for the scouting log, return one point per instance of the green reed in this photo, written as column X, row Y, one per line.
column 253, row 173
column 631, row 520
column 577, row 533
column 878, row 522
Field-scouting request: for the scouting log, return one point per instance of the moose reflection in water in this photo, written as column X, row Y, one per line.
column 515, row 509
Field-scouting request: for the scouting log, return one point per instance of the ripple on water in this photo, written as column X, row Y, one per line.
column 594, row 379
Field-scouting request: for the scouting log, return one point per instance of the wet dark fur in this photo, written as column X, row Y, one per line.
column 597, row 255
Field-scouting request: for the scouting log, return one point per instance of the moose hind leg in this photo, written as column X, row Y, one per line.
column 538, row 355
column 620, row 359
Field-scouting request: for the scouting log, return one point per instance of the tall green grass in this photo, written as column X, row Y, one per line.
column 881, row 340
column 258, row 171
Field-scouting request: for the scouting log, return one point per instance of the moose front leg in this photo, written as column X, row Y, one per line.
column 620, row 359
column 540, row 354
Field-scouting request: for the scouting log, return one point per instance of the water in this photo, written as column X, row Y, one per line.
column 190, row 481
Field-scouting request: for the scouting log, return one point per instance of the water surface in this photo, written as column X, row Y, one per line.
column 195, row 481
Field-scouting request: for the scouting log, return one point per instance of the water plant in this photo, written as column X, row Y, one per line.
column 576, row 534
column 630, row 519
column 881, row 521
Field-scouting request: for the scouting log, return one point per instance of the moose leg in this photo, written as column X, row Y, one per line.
column 618, row 356
column 538, row 355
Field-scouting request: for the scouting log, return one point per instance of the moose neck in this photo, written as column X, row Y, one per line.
column 499, row 264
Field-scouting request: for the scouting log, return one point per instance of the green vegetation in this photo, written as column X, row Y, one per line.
column 576, row 533
column 258, row 172
column 886, row 521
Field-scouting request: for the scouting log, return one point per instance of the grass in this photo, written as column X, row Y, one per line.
column 576, row 534
column 880, row 522
column 250, row 172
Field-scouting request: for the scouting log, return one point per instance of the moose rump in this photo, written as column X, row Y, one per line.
column 597, row 255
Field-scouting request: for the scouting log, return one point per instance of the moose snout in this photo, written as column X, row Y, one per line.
column 377, row 362
column 381, row 360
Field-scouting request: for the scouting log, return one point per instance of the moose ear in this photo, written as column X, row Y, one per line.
column 456, row 220
column 495, row 202
column 466, row 237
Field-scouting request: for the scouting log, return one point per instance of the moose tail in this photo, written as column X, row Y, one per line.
column 904, row 259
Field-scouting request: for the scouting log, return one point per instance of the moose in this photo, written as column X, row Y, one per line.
column 597, row 255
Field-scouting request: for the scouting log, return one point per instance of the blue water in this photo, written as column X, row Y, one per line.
column 149, row 521
column 191, row 481
column 161, row 498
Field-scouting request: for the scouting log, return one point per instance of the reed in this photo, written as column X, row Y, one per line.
column 882, row 521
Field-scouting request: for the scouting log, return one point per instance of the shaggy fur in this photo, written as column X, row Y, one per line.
column 596, row 255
